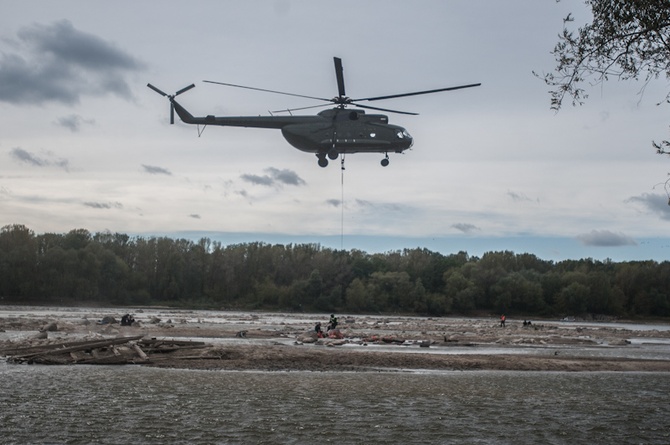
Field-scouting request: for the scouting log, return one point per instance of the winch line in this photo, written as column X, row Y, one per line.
column 342, row 207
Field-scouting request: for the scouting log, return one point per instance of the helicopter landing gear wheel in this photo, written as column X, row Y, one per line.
column 385, row 161
column 333, row 154
column 323, row 162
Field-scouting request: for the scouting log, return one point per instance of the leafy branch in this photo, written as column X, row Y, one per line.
column 627, row 40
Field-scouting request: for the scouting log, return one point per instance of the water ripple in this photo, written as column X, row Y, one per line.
column 111, row 405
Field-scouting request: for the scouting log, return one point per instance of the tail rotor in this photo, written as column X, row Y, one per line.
column 171, row 97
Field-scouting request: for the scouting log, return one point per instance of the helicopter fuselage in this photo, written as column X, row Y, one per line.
column 347, row 131
column 330, row 133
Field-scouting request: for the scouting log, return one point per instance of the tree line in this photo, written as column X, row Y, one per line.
column 79, row 267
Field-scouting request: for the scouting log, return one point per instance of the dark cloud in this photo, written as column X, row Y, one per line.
column 518, row 197
column 194, row 216
column 465, row 228
column 274, row 178
column 104, row 205
column 605, row 238
column 58, row 63
column 73, row 122
column 334, row 202
column 153, row 170
column 285, row 176
column 258, row 180
column 24, row 156
column 658, row 204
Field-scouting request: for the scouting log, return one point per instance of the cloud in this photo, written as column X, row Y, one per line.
column 24, row 156
column 274, row 178
column 390, row 207
column 334, row 202
column 465, row 228
column 58, row 63
column 519, row 197
column 73, row 122
column 194, row 216
column 153, row 170
column 605, row 238
column 363, row 203
column 104, row 205
column 658, row 204
column 257, row 180
column 285, row 176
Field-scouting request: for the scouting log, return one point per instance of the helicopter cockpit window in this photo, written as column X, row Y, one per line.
column 403, row 135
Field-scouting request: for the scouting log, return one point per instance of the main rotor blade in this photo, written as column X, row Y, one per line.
column 301, row 108
column 156, row 90
column 267, row 91
column 171, row 113
column 185, row 89
column 384, row 109
column 393, row 96
column 339, row 73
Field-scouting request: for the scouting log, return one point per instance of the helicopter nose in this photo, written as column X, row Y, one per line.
column 406, row 138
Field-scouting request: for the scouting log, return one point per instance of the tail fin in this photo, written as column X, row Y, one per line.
column 184, row 115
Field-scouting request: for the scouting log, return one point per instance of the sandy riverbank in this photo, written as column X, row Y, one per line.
column 276, row 342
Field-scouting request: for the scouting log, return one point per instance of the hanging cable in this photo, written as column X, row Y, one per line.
column 342, row 206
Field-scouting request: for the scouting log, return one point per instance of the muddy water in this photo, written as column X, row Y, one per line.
column 112, row 405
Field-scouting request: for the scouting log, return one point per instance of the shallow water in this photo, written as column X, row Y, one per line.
column 130, row 404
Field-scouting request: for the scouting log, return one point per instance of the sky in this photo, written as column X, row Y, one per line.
column 85, row 144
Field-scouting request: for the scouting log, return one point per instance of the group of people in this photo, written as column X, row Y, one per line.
column 332, row 324
column 127, row 320
column 503, row 319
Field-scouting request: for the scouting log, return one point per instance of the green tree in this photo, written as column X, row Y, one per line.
column 488, row 271
column 18, row 260
column 391, row 291
column 462, row 292
column 329, row 302
column 356, row 297
column 573, row 298
column 314, row 286
column 438, row 304
column 268, row 294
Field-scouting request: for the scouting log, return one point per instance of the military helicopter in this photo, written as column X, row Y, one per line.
column 330, row 133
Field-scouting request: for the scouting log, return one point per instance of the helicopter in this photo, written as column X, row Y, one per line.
column 328, row 134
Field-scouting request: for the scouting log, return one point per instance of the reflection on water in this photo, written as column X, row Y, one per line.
column 82, row 404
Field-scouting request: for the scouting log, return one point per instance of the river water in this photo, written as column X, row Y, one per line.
column 132, row 404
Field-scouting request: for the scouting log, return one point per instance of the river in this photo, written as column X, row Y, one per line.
column 142, row 405
column 132, row 404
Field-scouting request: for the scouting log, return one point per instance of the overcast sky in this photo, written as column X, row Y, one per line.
column 85, row 144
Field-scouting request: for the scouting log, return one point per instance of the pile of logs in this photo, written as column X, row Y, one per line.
column 111, row 351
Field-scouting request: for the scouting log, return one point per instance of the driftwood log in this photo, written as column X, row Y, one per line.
column 118, row 350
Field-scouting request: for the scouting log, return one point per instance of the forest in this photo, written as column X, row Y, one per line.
column 81, row 268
